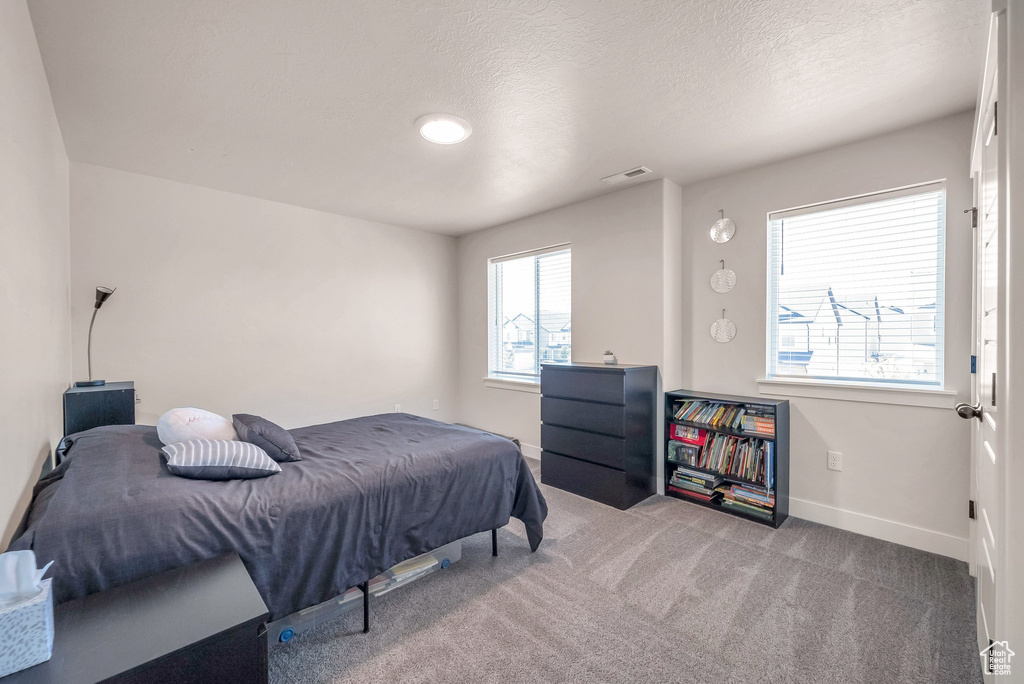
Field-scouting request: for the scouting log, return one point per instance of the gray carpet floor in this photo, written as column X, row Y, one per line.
column 664, row 592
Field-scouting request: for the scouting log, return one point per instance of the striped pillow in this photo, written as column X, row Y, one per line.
column 218, row 459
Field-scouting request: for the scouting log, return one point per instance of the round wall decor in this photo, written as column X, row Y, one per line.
column 723, row 330
column 722, row 230
column 723, row 280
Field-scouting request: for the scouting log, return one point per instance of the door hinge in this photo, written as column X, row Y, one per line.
column 973, row 211
column 993, row 389
column 970, row 509
column 974, row 364
column 995, row 118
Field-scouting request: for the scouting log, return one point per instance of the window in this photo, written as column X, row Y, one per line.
column 855, row 289
column 529, row 312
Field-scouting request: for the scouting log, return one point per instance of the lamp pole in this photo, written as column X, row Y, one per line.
column 102, row 295
column 89, row 345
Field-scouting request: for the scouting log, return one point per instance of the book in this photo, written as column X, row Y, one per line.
column 690, row 435
column 698, row 481
column 680, row 452
column 712, row 413
column 756, row 497
column 691, row 486
column 748, row 510
column 759, row 426
column 741, row 505
column 745, row 458
column 708, row 480
column 751, row 504
column 692, row 495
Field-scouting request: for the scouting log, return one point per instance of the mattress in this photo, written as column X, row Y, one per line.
column 368, row 493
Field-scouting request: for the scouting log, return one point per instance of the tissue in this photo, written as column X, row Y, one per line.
column 19, row 578
column 26, row 612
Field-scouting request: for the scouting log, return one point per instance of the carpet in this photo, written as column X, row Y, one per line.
column 664, row 592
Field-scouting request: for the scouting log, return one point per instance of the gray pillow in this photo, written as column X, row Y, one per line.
column 218, row 459
column 268, row 436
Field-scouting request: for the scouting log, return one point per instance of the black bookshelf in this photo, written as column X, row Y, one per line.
column 780, row 437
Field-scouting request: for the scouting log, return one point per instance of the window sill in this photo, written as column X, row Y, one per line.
column 898, row 396
column 532, row 386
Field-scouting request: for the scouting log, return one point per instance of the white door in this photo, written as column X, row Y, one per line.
column 987, row 532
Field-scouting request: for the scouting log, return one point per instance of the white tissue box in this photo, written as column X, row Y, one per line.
column 26, row 631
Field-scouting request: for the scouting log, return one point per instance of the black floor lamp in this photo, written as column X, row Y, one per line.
column 102, row 295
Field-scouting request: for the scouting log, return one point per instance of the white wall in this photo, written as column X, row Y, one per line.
column 237, row 304
column 906, row 470
column 618, row 293
column 240, row 304
column 1011, row 124
column 642, row 260
column 35, row 355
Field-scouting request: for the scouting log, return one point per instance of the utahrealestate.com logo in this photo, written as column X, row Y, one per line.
column 997, row 658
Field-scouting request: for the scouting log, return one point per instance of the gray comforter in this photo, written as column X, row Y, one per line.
column 367, row 494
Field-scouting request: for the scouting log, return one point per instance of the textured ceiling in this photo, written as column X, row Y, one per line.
column 312, row 102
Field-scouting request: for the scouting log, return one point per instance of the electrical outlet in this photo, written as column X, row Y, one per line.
column 437, row 404
column 398, row 408
column 835, row 460
column 138, row 399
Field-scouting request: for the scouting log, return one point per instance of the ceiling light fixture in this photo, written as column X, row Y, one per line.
column 443, row 129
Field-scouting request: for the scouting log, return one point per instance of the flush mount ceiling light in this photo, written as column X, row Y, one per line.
column 443, row 129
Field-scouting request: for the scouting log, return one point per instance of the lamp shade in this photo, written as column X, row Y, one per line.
column 102, row 295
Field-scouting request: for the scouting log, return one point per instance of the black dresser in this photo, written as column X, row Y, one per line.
column 598, row 431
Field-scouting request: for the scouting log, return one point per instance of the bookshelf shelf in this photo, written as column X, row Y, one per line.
column 723, row 430
column 774, row 468
column 727, row 478
column 721, row 509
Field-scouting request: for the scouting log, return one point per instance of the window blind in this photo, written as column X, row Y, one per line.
column 855, row 289
column 529, row 311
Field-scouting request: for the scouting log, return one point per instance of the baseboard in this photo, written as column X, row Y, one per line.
column 879, row 528
column 530, row 451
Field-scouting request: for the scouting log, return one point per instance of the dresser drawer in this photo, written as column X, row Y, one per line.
column 583, row 415
column 600, row 449
column 589, row 385
column 586, row 479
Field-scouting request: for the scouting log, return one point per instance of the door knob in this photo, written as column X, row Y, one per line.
column 968, row 411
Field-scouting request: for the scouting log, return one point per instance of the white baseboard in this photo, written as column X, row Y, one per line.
column 530, row 451
column 861, row 523
column 879, row 528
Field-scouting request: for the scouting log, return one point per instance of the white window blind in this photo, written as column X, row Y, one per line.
column 855, row 289
column 529, row 312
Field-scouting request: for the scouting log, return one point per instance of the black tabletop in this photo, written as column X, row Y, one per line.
column 111, row 632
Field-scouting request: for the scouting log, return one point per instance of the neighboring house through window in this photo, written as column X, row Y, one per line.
column 529, row 310
column 855, row 289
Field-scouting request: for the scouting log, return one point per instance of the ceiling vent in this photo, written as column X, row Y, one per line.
column 617, row 178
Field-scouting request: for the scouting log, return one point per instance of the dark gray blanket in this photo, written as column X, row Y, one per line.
column 367, row 494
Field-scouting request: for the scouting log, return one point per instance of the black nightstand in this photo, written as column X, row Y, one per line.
column 193, row 625
column 89, row 407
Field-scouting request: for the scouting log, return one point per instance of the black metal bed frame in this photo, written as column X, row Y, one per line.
column 365, row 586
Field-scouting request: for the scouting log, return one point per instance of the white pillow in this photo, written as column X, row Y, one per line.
column 184, row 424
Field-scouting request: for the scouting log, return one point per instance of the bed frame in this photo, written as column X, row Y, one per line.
column 283, row 629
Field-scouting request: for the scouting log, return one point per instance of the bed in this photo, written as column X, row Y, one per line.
column 368, row 493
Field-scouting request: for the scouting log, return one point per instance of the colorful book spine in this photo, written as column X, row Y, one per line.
column 748, row 510
column 746, row 462
column 688, row 493
column 689, row 486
